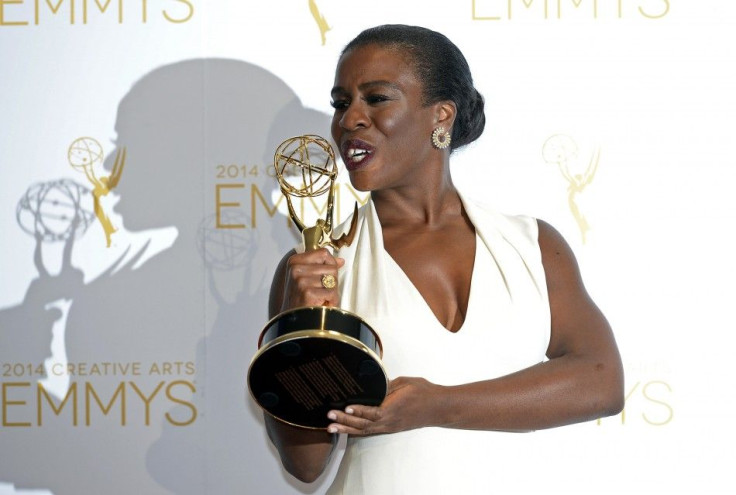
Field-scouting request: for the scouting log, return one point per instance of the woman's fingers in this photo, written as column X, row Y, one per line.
column 356, row 420
column 408, row 405
column 311, row 279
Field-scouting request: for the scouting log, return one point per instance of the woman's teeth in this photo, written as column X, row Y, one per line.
column 357, row 155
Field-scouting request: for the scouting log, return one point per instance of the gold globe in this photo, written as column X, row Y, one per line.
column 305, row 166
column 84, row 152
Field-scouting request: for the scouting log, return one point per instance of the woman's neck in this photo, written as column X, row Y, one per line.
column 426, row 205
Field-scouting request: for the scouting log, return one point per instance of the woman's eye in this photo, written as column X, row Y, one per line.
column 373, row 99
column 339, row 104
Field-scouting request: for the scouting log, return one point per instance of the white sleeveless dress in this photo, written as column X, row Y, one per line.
column 506, row 329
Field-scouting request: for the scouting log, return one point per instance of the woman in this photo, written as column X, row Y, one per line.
column 520, row 348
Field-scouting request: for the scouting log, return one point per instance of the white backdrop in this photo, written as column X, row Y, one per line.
column 122, row 368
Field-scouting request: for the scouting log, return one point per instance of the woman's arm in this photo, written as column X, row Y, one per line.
column 304, row 453
column 582, row 380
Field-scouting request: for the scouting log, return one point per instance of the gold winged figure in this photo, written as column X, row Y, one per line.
column 101, row 187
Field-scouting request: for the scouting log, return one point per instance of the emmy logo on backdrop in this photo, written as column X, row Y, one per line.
column 320, row 20
column 563, row 151
column 84, row 153
column 313, row 359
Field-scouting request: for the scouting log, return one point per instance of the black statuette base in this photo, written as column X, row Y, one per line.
column 306, row 366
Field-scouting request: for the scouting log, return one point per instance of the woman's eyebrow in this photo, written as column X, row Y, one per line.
column 368, row 85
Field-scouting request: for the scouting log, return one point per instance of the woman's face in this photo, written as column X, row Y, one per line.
column 380, row 124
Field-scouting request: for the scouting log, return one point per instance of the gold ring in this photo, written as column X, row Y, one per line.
column 328, row 281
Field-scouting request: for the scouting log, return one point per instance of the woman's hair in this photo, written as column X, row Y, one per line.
column 442, row 70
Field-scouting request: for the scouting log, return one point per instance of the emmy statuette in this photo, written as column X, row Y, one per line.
column 314, row 359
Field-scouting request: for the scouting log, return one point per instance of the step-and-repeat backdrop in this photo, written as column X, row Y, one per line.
column 141, row 224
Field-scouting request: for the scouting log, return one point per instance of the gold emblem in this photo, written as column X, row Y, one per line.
column 84, row 154
column 563, row 151
column 329, row 281
column 319, row 19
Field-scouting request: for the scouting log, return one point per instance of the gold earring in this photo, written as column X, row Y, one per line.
column 441, row 138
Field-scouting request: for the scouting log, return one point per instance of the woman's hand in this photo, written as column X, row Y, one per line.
column 410, row 403
column 310, row 279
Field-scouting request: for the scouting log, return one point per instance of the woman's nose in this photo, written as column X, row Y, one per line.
column 354, row 117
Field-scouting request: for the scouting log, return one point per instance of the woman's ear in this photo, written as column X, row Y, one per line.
column 445, row 114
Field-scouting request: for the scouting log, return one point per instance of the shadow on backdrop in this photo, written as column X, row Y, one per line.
column 187, row 313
